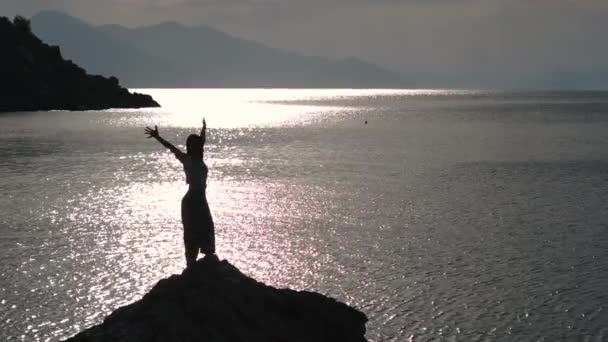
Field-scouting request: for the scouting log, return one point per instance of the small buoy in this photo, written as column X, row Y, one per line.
column 366, row 122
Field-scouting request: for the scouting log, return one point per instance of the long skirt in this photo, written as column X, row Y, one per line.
column 199, row 232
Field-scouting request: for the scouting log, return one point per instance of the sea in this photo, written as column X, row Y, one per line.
column 443, row 215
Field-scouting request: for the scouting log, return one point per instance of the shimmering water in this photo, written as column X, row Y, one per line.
column 450, row 216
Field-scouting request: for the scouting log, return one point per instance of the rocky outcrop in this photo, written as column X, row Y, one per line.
column 214, row 301
column 34, row 76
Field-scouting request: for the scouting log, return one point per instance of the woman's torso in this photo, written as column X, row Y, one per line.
column 196, row 173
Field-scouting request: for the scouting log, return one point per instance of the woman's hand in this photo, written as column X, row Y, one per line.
column 204, row 130
column 152, row 133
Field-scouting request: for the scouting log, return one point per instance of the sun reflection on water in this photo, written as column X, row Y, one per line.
column 228, row 108
column 135, row 229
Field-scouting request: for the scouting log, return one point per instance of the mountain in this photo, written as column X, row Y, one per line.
column 213, row 301
column 100, row 53
column 173, row 55
column 36, row 77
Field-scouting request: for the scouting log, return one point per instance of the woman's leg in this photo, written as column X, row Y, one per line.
column 208, row 230
column 191, row 251
column 190, row 244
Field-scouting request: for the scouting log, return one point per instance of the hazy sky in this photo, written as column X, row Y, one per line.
column 467, row 42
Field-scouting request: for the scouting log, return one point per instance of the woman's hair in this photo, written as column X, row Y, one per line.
column 194, row 145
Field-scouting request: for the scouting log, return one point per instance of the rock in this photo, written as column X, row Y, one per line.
column 214, row 301
column 36, row 77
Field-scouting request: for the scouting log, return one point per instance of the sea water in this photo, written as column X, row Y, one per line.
column 443, row 215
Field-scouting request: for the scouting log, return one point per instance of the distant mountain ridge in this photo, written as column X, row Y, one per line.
column 173, row 55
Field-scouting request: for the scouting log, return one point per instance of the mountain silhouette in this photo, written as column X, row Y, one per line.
column 101, row 54
column 174, row 55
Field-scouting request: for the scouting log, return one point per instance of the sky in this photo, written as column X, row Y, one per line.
column 491, row 43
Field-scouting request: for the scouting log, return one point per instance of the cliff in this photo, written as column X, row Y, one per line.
column 36, row 77
column 214, row 301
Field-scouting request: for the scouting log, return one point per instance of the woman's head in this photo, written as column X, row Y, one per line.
column 194, row 145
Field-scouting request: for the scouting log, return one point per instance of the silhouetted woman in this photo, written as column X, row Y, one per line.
column 196, row 216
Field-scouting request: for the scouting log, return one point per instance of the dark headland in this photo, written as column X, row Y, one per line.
column 36, row 77
column 214, row 301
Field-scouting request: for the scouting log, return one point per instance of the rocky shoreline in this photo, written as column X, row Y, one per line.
column 214, row 301
column 35, row 77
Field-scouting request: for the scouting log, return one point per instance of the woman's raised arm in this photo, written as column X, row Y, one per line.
column 153, row 133
column 203, row 133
